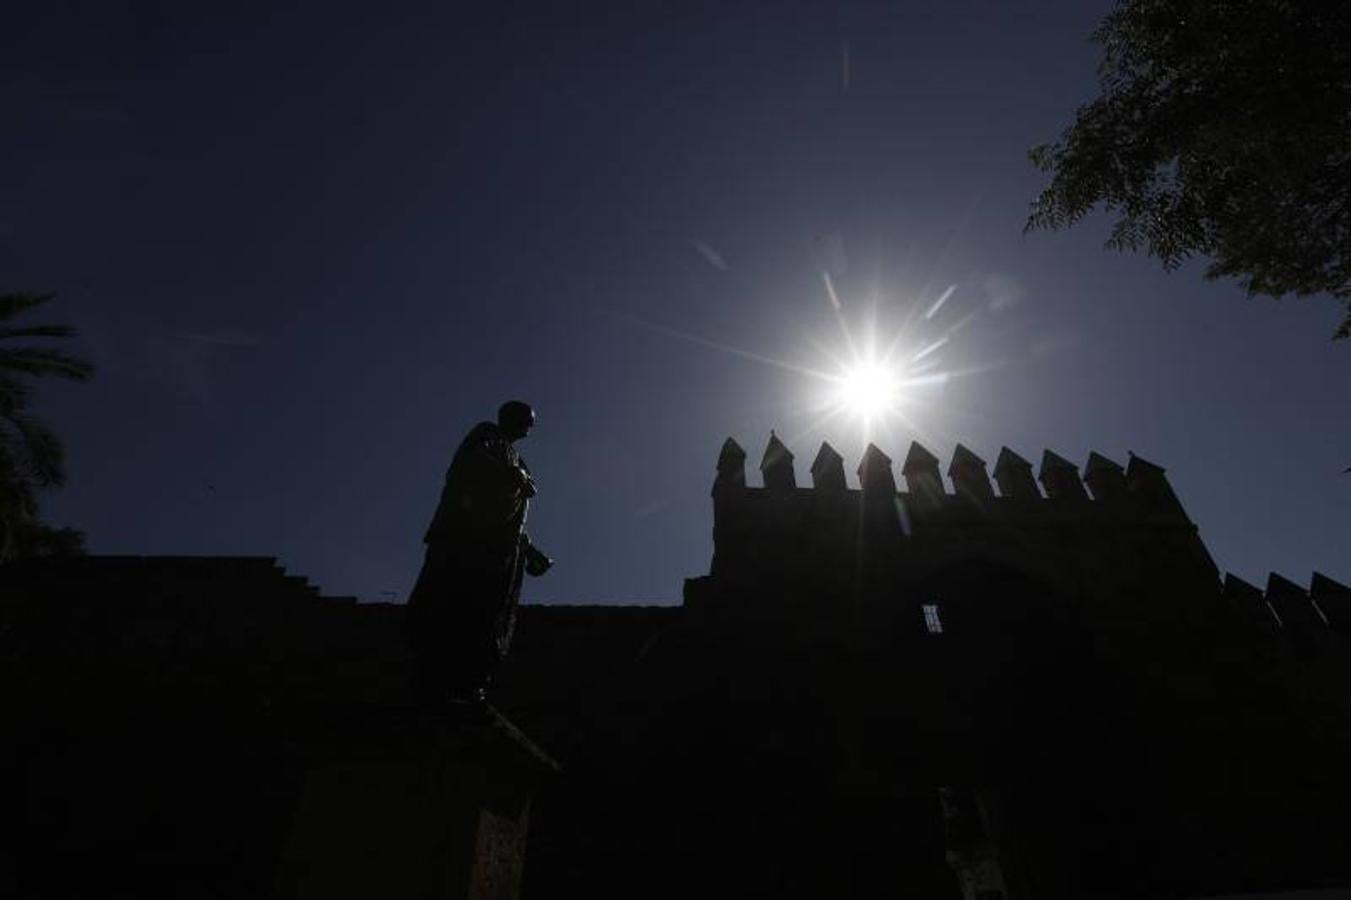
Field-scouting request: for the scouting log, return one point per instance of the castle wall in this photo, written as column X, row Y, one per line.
column 1067, row 652
column 828, row 547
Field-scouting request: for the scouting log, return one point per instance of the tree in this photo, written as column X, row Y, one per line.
column 32, row 457
column 1223, row 131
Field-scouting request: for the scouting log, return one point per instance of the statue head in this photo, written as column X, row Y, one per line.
column 515, row 419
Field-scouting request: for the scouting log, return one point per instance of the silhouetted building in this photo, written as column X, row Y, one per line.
column 1058, row 674
column 962, row 692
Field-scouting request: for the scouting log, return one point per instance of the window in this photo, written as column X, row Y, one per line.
column 931, row 620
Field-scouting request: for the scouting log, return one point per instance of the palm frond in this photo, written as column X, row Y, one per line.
column 14, row 394
column 18, row 500
column 44, row 361
column 52, row 331
column 38, row 450
column 11, row 304
column 18, row 494
column 31, row 455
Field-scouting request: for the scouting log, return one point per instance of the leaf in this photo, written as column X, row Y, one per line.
column 40, row 451
column 18, row 494
column 14, row 394
column 52, row 331
column 12, row 304
column 44, row 361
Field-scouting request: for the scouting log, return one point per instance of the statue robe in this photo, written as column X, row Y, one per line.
column 462, row 611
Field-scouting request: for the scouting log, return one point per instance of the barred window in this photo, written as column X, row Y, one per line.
column 931, row 620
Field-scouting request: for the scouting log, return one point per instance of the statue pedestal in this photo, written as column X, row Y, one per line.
column 417, row 807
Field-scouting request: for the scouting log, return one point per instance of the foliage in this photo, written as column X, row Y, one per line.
column 34, row 539
column 1223, row 130
column 32, row 457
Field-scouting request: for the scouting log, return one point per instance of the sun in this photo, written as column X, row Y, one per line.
column 880, row 376
column 868, row 389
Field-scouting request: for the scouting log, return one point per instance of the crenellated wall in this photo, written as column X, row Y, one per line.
column 1112, row 541
column 1303, row 616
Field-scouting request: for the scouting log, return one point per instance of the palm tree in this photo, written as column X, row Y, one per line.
column 31, row 455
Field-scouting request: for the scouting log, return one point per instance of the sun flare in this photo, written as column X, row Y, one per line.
column 883, row 378
column 869, row 389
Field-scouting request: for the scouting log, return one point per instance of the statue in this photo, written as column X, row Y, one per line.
column 462, row 611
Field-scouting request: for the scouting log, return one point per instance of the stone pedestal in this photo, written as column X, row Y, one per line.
column 420, row 808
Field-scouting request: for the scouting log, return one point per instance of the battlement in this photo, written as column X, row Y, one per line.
column 1140, row 487
column 1104, row 530
column 1284, row 608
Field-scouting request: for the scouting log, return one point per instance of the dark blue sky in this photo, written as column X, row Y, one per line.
column 308, row 248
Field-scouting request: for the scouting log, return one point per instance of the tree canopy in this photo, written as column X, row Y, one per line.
column 1223, row 131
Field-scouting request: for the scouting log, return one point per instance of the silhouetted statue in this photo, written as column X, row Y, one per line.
column 463, row 609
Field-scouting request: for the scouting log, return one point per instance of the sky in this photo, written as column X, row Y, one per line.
column 309, row 245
